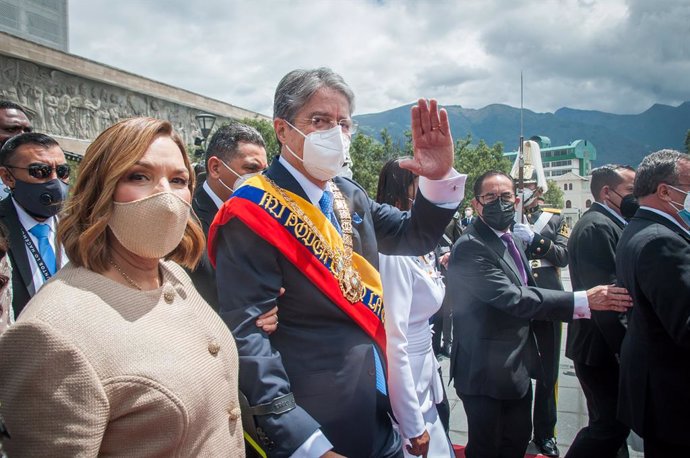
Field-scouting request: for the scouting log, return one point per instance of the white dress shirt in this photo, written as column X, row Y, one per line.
column 581, row 303
column 613, row 213
column 665, row 215
column 216, row 200
column 446, row 193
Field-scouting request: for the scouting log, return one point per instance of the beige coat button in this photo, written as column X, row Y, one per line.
column 168, row 293
column 235, row 413
column 213, row 347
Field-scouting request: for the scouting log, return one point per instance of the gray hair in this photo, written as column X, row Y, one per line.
column 659, row 167
column 297, row 87
column 225, row 141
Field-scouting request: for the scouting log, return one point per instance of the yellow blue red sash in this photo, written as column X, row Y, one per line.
column 259, row 206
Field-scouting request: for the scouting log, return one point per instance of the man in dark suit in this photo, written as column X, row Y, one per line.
column 546, row 238
column 34, row 167
column 13, row 121
column 235, row 150
column 594, row 345
column 653, row 262
column 321, row 356
column 495, row 299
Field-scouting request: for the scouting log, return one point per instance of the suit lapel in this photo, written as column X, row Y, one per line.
column 21, row 260
column 284, row 179
column 646, row 214
column 598, row 208
column 496, row 245
column 204, row 207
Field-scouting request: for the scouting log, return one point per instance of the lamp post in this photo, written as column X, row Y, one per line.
column 205, row 121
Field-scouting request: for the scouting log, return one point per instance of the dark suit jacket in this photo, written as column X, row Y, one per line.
column 592, row 248
column 317, row 353
column 22, row 275
column 494, row 350
column 204, row 276
column 653, row 263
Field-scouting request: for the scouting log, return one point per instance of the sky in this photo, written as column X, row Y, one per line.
column 618, row 56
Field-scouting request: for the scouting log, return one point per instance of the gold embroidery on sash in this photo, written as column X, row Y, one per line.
column 341, row 267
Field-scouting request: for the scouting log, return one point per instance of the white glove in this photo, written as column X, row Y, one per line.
column 523, row 232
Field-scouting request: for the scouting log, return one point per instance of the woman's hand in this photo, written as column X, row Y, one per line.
column 419, row 446
column 268, row 322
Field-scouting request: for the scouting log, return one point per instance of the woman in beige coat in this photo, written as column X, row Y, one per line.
column 118, row 354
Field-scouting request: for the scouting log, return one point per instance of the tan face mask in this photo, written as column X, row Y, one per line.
column 150, row 227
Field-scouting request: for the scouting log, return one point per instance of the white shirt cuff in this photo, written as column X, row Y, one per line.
column 315, row 445
column 581, row 306
column 447, row 192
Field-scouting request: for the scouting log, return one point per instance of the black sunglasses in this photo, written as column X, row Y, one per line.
column 43, row 171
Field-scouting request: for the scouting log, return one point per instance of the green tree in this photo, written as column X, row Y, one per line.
column 369, row 155
column 265, row 128
column 474, row 160
column 553, row 197
column 687, row 142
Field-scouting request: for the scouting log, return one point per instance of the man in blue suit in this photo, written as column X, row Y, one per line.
column 317, row 385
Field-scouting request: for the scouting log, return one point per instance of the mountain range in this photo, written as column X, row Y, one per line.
column 624, row 139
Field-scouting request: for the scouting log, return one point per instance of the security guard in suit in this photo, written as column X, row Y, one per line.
column 547, row 252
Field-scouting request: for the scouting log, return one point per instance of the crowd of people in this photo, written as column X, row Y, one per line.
column 278, row 310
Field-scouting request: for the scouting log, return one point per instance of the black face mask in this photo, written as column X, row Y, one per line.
column 41, row 200
column 628, row 206
column 499, row 215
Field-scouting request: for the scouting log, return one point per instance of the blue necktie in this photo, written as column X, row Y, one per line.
column 42, row 232
column 326, row 205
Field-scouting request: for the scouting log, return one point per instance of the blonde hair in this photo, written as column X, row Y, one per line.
column 83, row 223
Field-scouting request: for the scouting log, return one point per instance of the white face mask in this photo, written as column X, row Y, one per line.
column 324, row 152
column 241, row 179
column 134, row 224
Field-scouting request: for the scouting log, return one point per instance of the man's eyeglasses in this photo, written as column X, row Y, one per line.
column 43, row 171
column 491, row 197
column 324, row 122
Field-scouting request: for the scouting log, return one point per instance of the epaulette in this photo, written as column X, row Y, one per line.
column 555, row 211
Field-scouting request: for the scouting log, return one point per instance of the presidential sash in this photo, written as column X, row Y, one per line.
column 303, row 234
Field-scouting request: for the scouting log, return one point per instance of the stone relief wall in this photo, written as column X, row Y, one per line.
column 71, row 106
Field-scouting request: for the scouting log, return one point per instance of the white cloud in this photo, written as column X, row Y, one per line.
column 612, row 55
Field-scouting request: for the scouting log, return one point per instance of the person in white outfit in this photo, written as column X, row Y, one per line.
column 413, row 291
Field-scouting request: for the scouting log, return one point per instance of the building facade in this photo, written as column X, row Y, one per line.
column 569, row 166
column 73, row 99
column 41, row 21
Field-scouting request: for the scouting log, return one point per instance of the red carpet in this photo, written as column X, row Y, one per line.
column 460, row 452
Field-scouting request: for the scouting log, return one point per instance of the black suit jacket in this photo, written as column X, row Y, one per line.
column 317, row 353
column 592, row 248
column 23, row 287
column 494, row 349
column 204, row 275
column 653, row 263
